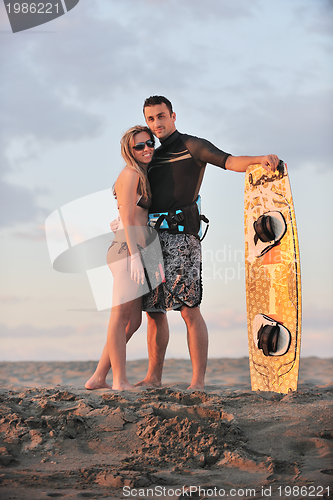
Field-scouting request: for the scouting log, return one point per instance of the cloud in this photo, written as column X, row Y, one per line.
column 53, row 86
column 37, row 233
column 296, row 127
column 319, row 319
column 12, row 299
column 53, row 93
column 312, row 318
column 28, row 331
column 316, row 343
column 204, row 11
column 34, row 115
column 230, row 319
column 59, row 90
column 18, row 205
column 114, row 56
column 317, row 16
column 50, row 85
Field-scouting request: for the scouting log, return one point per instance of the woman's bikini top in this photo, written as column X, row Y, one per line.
column 141, row 202
column 144, row 203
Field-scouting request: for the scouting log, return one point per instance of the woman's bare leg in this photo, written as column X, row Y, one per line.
column 98, row 379
column 117, row 339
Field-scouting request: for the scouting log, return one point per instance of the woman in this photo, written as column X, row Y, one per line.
column 134, row 198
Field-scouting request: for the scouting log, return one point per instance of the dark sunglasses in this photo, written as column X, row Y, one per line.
column 140, row 146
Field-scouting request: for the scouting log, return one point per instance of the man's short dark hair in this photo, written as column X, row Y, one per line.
column 154, row 100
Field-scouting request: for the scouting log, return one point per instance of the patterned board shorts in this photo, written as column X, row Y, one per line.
column 182, row 267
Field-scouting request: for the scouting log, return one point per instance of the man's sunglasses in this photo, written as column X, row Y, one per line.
column 140, row 146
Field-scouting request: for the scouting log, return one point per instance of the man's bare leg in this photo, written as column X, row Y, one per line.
column 197, row 339
column 157, row 341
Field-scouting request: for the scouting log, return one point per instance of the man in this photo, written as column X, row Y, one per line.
column 175, row 175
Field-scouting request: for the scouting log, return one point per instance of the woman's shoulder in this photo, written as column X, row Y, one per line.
column 128, row 177
column 127, row 174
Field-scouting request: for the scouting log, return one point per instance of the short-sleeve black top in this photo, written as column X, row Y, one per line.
column 176, row 171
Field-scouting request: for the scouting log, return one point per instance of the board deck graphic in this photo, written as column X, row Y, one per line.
column 273, row 283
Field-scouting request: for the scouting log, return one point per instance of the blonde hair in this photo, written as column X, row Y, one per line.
column 127, row 154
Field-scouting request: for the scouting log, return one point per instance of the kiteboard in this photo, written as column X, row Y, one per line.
column 273, row 281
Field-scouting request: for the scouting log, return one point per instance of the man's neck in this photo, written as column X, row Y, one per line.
column 162, row 141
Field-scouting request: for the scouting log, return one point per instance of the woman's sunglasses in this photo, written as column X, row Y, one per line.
column 140, row 146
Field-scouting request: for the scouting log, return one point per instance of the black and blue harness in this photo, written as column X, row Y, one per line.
column 185, row 220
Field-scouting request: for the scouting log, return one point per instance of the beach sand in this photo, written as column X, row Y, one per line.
column 59, row 440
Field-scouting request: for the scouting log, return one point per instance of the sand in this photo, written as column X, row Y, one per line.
column 59, row 440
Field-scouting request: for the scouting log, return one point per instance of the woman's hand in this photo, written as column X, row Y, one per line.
column 137, row 271
column 115, row 224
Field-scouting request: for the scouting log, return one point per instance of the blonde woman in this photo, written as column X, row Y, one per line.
column 134, row 198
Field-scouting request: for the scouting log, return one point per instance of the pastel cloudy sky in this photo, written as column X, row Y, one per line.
column 252, row 77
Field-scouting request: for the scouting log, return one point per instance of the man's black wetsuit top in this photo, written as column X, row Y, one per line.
column 176, row 171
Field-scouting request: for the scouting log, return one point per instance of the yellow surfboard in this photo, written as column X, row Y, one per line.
column 273, row 281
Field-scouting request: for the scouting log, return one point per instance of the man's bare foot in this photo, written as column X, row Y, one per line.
column 148, row 383
column 95, row 383
column 196, row 387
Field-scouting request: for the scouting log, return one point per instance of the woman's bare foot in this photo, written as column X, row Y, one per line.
column 96, row 383
column 121, row 386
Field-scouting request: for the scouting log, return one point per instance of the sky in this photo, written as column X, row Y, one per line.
column 252, row 77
